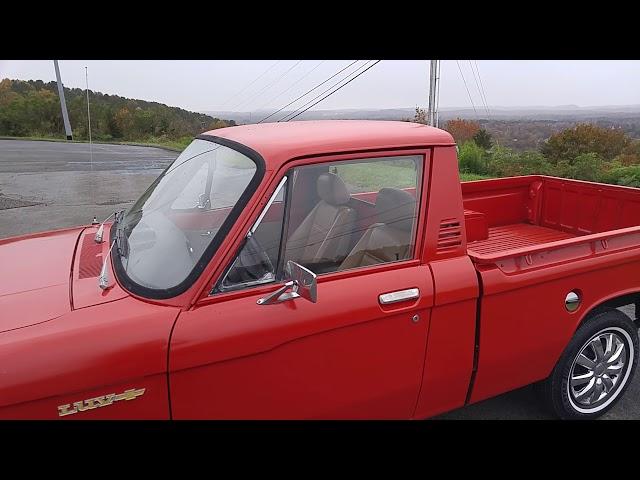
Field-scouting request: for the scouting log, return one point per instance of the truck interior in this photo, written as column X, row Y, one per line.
column 347, row 228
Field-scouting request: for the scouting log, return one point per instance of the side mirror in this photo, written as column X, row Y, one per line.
column 305, row 281
column 301, row 282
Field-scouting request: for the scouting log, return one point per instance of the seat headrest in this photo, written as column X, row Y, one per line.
column 396, row 208
column 332, row 189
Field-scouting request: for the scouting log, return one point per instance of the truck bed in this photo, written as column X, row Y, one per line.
column 518, row 235
column 520, row 215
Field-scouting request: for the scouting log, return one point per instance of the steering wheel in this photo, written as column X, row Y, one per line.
column 252, row 263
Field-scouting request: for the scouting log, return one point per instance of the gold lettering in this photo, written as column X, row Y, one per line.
column 65, row 410
column 81, row 407
column 106, row 400
column 101, row 401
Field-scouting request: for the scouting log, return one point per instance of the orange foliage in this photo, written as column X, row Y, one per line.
column 462, row 130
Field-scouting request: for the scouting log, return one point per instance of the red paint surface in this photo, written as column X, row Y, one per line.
column 343, row 357
column 34, row 273
column 498, row 255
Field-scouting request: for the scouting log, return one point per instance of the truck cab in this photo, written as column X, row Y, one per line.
column 335, row 269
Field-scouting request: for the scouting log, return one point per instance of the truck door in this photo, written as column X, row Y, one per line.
column 356, row 221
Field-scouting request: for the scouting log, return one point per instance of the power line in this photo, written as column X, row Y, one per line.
column 268, row 85
column 293, row 113
column 484, row 95
column 341, row 86
column 308, row 92
column 251, row 83
column 482, row 100
column 467, row 89
column 485, row 98
column 292, row 85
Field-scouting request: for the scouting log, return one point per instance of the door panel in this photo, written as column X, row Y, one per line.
column 345, row 356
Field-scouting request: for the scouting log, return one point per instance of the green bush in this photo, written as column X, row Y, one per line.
column 587, row 166
column 504, row 162
column 627, row 176
column 471, row 158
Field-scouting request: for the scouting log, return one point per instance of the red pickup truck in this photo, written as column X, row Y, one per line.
column 330, row 269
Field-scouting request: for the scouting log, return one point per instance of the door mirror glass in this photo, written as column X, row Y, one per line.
column 304, row 279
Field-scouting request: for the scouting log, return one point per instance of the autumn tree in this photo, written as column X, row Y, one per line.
column 462, row 130
column 630, row 154
column 569, row 144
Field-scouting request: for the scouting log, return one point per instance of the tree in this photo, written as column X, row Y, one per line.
column 568, row 144
column 630, row 154
column 420, row 116
column 33, row 108
column 462, row 130
column 483, row 139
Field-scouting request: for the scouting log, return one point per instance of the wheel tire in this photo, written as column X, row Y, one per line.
column 567, row 401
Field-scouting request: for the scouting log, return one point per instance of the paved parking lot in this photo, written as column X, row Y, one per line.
column 47, row 185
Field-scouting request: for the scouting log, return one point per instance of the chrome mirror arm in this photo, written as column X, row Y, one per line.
column 281, row 294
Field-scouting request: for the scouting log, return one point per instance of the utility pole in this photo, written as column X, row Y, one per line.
column 63, row 103
column 434, row 87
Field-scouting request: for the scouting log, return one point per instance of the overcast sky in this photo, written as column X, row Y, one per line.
column 253, row 85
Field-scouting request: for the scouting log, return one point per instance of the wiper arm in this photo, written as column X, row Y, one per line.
column 120, row 239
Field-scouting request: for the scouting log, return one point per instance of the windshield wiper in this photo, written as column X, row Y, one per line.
column 120, row 238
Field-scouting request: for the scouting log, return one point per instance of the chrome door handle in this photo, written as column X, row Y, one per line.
column 399, row 296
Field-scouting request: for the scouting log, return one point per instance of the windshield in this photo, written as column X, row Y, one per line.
column 166, row 233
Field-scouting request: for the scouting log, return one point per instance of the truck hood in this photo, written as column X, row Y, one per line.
column 45, row 275
column 35, row 271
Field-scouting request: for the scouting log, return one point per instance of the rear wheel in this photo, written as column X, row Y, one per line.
column 595, row 368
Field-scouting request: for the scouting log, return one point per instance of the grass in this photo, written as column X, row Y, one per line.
column 369, row 177
column 175, row 145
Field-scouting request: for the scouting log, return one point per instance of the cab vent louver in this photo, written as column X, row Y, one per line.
column 450, row 235
column 90, row 258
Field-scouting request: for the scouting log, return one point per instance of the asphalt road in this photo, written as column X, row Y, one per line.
column 48, row 185
column 22, row 156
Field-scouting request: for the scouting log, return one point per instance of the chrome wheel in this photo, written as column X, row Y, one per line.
column 600, row 370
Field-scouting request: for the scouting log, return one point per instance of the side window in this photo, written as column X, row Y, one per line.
column 341, row 215
column 258, row 258
column 354, row 214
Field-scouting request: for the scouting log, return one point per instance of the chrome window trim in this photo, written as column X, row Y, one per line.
column 272, row 199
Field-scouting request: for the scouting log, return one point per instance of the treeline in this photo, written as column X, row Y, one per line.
column 584, row 152
column 32, row 108
column 531, row 134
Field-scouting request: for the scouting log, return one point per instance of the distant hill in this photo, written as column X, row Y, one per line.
column 521, row 128
column 32, row 108
column 562, row 112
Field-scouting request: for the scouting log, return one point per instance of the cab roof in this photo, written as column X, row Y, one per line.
column 279, row 142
